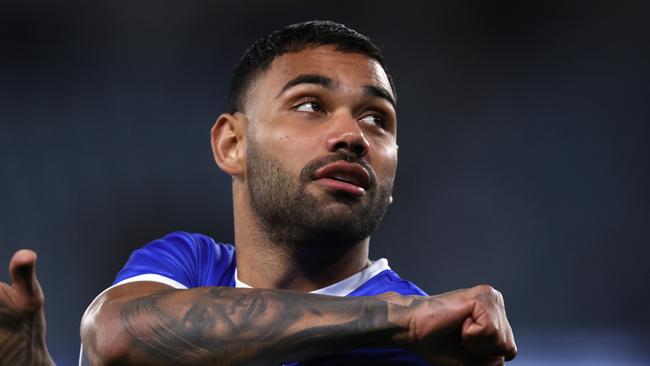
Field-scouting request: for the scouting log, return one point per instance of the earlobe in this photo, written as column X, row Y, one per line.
column 228, row 144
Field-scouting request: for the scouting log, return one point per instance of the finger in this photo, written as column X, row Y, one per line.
column 478, row 329
column 23, row 275
column 484, row 320
column 493, row 361
column 511, row 346
column 469, row 327
column 483, row 337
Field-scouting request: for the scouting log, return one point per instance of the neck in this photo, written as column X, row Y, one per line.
column 263, row 262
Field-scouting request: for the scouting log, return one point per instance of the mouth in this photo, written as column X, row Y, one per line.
column 343, row 176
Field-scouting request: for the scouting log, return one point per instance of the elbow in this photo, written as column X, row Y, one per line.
column 104, row 340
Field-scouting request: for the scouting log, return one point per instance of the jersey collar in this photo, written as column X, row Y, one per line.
column 346, row 286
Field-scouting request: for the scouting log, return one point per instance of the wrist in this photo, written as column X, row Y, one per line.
column 400, row 313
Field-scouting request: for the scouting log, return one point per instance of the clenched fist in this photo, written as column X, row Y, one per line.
column 462, row 327
column 22, row 320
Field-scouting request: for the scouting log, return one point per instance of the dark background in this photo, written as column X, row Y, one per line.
column 523, row 132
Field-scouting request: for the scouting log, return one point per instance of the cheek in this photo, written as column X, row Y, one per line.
column 287, row 143
column 287, row 148
column 386, row 161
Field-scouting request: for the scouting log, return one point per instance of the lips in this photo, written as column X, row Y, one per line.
column 344, row 176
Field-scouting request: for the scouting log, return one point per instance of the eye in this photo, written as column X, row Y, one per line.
column 309, row 106
column 374, row 119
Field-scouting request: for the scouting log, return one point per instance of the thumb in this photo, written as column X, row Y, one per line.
column 23, row 275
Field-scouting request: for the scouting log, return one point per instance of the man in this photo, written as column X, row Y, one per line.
column 310, row 144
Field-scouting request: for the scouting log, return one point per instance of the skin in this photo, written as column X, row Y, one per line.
column 149, row 323
column 290, row 127
column 22, row 319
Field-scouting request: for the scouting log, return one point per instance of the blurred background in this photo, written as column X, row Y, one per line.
column 524, row 151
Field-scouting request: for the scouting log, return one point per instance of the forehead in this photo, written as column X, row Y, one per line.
column 349, row 69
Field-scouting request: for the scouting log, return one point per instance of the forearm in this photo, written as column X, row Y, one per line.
column 223, row 326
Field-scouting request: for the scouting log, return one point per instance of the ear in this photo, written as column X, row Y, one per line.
column 228, row 143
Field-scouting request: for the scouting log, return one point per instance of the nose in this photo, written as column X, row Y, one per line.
column 346, row 134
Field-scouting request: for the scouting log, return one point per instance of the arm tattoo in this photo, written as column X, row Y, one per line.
column 234, row 326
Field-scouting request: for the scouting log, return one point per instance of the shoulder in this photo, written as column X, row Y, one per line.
column 181, row 240
column 180, row 244
column 192, row 259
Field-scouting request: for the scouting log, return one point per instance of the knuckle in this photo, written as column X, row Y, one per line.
column 485, row 289
column 501, row 343
column 489, row 292
column 511, row 352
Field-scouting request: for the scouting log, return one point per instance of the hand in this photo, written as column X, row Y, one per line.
column 22, row 320
column 463, row 327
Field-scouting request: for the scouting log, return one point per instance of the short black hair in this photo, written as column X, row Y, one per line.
column 295, row 38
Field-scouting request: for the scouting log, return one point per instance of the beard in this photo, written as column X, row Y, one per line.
column 292, row 216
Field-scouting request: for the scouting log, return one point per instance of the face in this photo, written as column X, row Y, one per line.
column 321, row 146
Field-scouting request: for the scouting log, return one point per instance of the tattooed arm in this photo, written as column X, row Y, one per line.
column 149, row 323
column 22, row 322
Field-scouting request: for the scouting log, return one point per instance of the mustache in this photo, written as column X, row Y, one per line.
column 308, row 171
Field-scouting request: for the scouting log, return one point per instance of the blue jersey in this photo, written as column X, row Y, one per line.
column 183, row 260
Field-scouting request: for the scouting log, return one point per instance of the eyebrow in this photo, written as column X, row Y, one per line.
column 378, row 91
column 321, row 80
column 328, row 83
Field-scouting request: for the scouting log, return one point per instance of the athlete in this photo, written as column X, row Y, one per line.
column 310, row 143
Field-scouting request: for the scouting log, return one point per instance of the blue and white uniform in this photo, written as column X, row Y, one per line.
column 186, row 260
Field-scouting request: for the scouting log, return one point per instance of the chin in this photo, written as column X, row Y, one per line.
column 342, row 224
